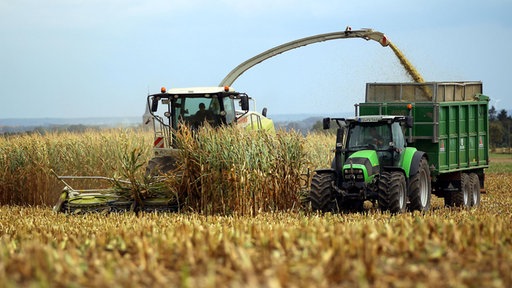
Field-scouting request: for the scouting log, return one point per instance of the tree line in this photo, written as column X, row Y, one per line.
column 500, row 126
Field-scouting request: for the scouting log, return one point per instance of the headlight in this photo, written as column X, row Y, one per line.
column 353, row 171
column 353, row 174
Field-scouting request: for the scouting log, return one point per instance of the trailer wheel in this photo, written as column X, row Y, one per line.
column 392, row 192
column 320, row 194
column 475, row 189
column 160, row 165
column 420, row 188
column 462, row 197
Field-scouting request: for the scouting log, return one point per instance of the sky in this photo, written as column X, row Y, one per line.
column 101, row 58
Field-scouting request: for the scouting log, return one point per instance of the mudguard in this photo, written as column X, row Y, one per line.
column 406, row 160
column 415, row 163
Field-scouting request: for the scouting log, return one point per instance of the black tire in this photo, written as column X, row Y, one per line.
column 321, row 194
column 420, row 190
column 160, row 165
column 462, row 197
column 392, row 192
column 475, row 190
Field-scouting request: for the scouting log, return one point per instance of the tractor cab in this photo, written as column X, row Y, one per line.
column 365, row 136
column 383, row 134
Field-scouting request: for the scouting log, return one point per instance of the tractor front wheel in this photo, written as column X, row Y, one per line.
column 321, row 194
column 392, row 192
column 420, row 188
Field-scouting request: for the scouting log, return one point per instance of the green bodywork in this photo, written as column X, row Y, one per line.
column 365, row 160
column 406, row 160
column 268, row 124
column 119, row 198
column 354, row 162
column 92, row 199
column 254, row 121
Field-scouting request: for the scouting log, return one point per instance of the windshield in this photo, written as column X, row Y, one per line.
column 369, row 136
column 198, row 110
column 195, row 111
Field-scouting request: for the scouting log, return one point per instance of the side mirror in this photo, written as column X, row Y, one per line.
column 264, row 112
column 244, row 102
column 326, row 122
column 154, row 104
column 409, row 121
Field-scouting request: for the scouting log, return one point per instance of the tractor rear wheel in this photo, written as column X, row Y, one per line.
column 420, row 188
column 321, row 194
column 392, row 192
column 475, row 189
column 462, row 197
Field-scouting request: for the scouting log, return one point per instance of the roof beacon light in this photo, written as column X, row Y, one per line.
column 163, row 90
column 226, row 88
column 409, row 106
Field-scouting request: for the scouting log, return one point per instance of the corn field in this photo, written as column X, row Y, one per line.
column 227, row 170
column 26, row 161
column 443, row 248
column 244, row 227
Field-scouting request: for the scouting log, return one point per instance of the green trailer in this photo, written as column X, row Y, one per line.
column 451, row 124
column 435, row 141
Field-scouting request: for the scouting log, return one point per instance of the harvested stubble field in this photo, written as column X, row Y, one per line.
column 443, row 248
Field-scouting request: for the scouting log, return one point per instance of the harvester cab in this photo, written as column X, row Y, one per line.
column 194, row 107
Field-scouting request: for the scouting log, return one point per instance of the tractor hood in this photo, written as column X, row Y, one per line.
column 365, row 160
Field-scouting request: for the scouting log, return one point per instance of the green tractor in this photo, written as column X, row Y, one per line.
column 372, row 162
